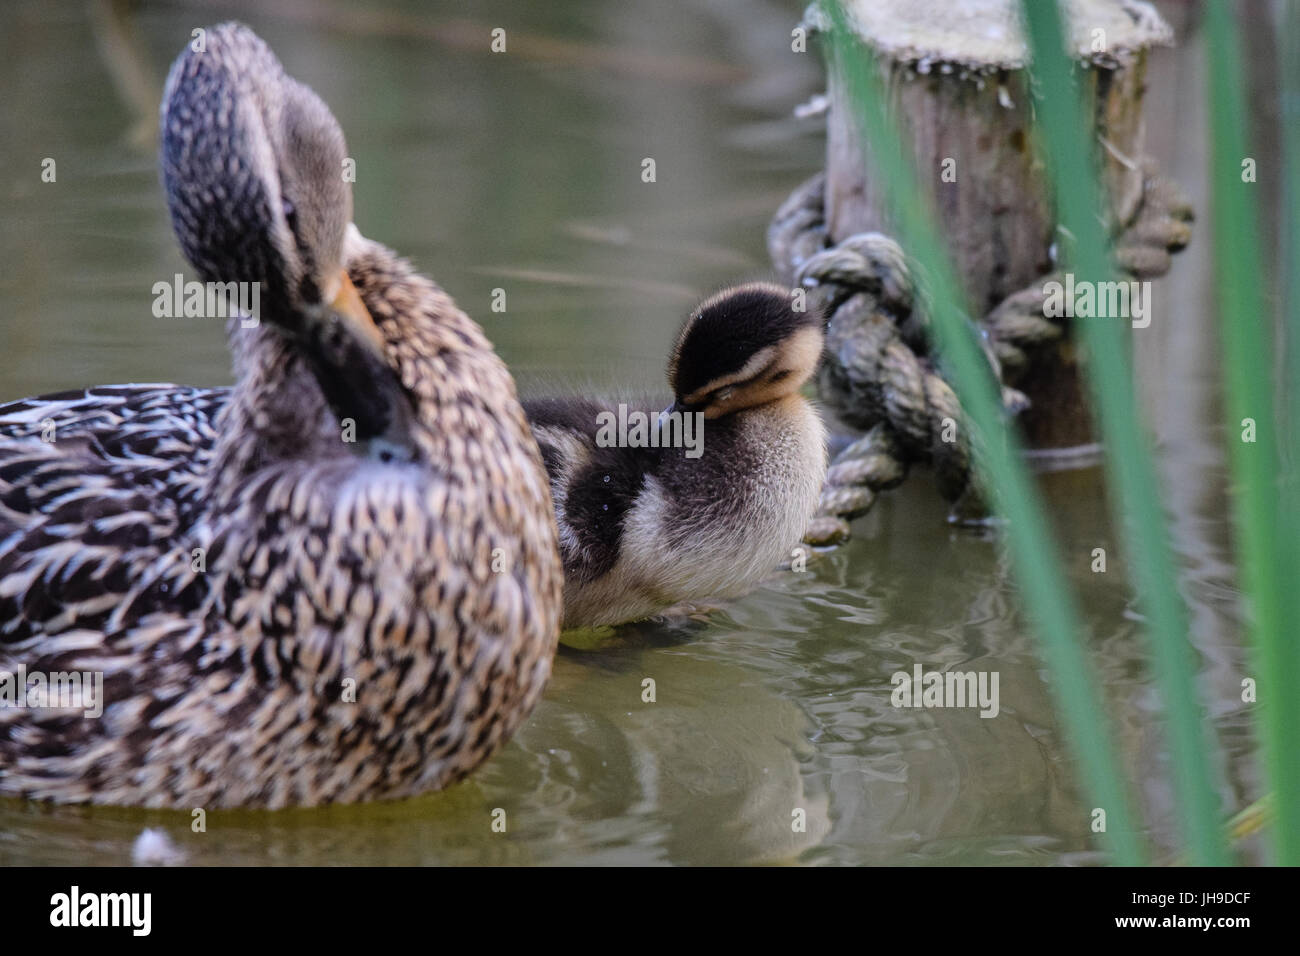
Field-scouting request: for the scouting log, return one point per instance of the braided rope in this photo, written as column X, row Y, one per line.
column 879, row 374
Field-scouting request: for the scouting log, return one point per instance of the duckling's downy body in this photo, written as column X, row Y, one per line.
column 281, row 616
column 645, row 528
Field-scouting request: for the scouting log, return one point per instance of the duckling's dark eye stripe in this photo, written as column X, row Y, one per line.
column 784, row 373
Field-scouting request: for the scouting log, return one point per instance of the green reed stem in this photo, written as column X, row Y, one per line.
column 1247, row 360
column 1289, row 269
column 1071, row 154
column 1034, row 555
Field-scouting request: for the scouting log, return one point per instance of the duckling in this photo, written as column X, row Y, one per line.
column 706, row 498
column 280, row 616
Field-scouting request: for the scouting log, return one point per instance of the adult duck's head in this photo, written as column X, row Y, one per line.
column 253, row 164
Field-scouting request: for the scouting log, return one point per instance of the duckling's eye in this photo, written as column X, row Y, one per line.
column 290, row 214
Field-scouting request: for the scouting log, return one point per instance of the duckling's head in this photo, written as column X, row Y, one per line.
column 253, row 164
column 741, row 348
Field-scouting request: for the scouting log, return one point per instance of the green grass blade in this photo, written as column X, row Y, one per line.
column 1247, row 359
column 1070, row 146
column 1042, row 584
column 1289, row 269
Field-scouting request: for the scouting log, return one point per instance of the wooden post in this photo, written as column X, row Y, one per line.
column 955, row 75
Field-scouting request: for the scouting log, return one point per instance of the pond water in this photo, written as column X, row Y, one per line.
column 522, row 171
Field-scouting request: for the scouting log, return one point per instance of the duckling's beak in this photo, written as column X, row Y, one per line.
column 347, row 306
column 678, row 406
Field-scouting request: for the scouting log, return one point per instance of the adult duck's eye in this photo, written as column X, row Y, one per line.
column 722, row 394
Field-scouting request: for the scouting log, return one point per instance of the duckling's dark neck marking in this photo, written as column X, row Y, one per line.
column 598, row 492
column 594, row 487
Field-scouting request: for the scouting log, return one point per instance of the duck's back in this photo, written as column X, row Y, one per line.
column 95, row 485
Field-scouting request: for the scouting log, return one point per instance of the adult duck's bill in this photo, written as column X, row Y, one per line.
column 345, row 306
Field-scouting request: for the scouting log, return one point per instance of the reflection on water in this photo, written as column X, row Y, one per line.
column 521, row 171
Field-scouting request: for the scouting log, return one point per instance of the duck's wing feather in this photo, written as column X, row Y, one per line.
column 95, row 485
column 184, row 413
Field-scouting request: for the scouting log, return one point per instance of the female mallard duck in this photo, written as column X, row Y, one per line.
column 281, row 616
column 644, row 526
